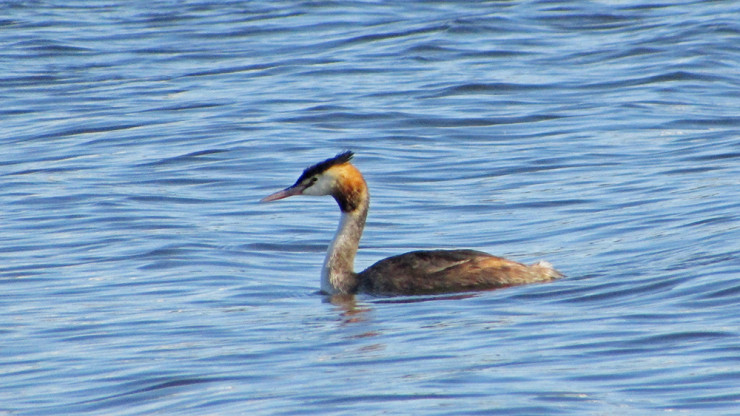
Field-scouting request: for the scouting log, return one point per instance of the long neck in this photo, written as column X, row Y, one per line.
column 338, row 274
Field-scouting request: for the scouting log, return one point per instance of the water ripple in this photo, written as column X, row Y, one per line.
column 141, row 275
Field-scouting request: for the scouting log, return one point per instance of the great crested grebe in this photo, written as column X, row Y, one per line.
column 416, row 272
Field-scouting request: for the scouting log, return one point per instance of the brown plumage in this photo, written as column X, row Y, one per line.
column 417, row 272
column 444, row 271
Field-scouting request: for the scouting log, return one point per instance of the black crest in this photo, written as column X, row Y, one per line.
column 320, row 167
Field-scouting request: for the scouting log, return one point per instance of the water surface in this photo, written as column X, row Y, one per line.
column 141, row 276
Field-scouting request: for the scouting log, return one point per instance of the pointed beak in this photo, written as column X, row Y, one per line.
column 291, row 191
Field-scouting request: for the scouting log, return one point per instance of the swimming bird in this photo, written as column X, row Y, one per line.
column 413, row 273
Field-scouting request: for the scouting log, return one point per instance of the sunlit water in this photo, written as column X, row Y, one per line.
column 139, row 274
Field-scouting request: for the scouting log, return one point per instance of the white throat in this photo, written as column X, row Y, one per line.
column 337, row 274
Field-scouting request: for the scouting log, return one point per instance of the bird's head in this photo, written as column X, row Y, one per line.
column 335, row 176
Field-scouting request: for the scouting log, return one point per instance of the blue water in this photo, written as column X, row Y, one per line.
column 139, row 275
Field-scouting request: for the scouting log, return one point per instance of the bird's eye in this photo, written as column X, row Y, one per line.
column 313, row 180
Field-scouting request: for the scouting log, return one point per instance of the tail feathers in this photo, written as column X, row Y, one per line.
column 545, row 269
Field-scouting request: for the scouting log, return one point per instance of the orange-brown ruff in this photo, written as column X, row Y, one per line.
column 351, row 190
column 417, row 272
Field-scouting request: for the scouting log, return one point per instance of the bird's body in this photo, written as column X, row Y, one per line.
column 444, row 271
column 416, row 272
